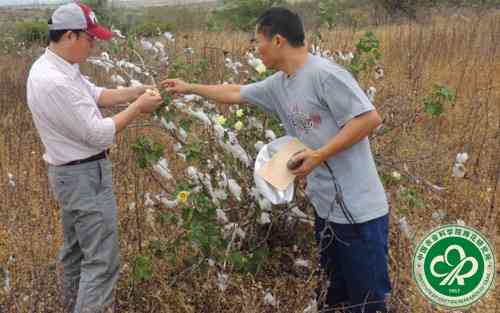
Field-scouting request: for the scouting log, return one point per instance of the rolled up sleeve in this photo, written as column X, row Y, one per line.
column 94, row 90
column 81, row 118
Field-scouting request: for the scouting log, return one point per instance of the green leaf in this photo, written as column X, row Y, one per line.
column 142, row 268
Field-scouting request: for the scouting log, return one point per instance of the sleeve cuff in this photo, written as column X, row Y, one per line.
column 97, row 93
column 349, row 117
column 107, row 133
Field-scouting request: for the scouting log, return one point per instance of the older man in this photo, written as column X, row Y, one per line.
column 320, row 103
column 77, row 138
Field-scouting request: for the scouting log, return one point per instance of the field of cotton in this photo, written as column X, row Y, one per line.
column 196, row 236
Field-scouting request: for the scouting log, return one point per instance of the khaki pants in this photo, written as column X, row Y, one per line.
column 90, row 254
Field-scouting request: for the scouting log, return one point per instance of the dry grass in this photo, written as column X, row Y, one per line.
column 463, row 53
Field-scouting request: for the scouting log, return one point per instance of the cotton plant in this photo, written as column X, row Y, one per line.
column 233, row 66
column 255, row 63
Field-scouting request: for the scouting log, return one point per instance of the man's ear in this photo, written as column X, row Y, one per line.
column 279, row 40
column 70, row 35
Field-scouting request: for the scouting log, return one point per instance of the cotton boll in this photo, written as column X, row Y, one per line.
column 177, row 147
column 117, row 33
column 117, row 79
column 458, row 170
column 159, row 46
column 137, row 69
column 169, row 204
column 370, row 93
column 264, row 219
column 297, row 213
column 197, row 189
column 162, row 168
column 179, row 104
column 146, row 45
column 238, row 152
column 12, row 181
column 221, row 217
column 405, row 227
column 131, row 206
column 193, row 173
column 235, row 189
column 169, row 36
column 150, row 217
column 168, row 125
column 135, row 83
column 231, row 228
column 301, row 263
column 222, row 281
column 312, row 307
column 270, row 300
column 148, row 202
column 270, row 135
column 183, row 134
column 379, row 73
column 191, row 98
column 462, row 157
column 220, row 194
column 438, row 215
column 219, row 131
column 202, row 116
column 264, row 204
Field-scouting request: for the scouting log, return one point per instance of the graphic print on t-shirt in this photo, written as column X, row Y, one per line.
column 303, row 122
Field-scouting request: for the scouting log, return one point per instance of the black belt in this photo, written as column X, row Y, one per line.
column 96, row 157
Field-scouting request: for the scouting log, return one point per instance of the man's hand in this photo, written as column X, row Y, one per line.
column 310, row 159
column 148, row 101
column 139, row 91
column 176, row 86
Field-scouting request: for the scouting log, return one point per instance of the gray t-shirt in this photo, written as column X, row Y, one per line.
column 313, row 104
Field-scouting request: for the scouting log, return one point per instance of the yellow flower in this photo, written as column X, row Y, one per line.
column 238, row 125
column 261, row 68
column 183, row 196
column 240, row 113
column 221, row 120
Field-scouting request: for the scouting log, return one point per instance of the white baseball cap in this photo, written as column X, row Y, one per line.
column 76, row 16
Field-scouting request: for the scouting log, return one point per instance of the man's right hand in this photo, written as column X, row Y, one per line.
column 176, row 86
column 148, row 102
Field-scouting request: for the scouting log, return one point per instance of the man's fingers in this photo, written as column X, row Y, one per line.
column 168, row 83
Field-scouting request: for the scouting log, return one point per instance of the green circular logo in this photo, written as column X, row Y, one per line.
column 454, row 266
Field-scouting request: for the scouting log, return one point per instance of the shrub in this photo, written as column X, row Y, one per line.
column 151, row 28
column 32, row 31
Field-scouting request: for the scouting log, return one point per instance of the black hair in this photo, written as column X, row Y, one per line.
column 284, row 22
column 56, row 35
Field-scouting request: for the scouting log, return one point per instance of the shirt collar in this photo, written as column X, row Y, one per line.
column 72, row 70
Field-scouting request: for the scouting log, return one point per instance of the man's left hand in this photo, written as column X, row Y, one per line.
column 311, row 159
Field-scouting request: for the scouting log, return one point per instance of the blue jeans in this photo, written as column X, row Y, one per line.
column 354, row 256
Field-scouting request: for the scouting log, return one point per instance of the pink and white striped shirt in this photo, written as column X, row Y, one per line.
column 64, row 107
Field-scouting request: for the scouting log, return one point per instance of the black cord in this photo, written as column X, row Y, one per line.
column 339, row 198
